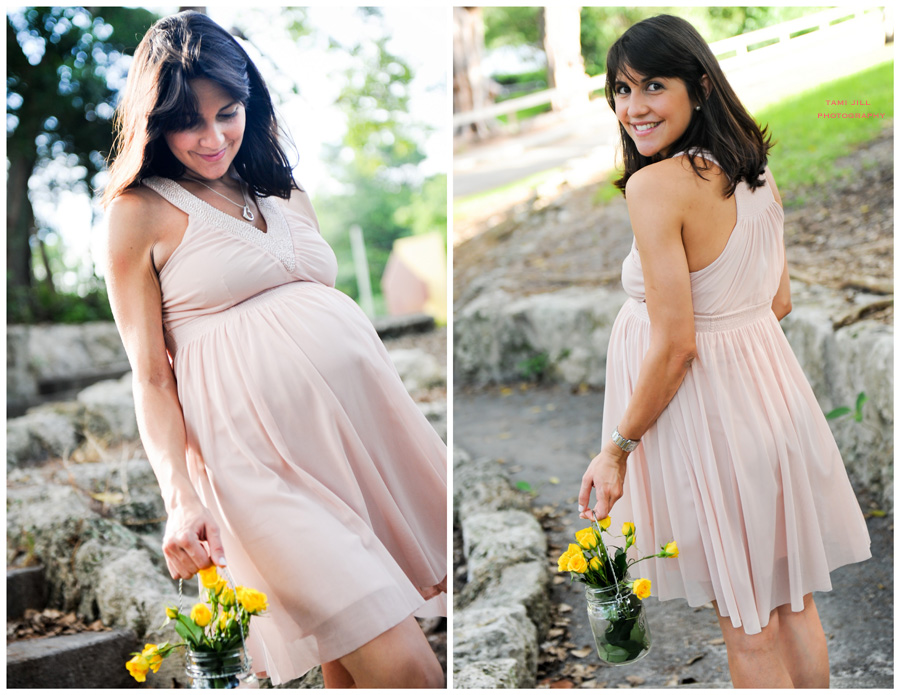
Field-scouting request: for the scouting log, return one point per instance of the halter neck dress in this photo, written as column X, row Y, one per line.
column 326, row 480
column 740, row 469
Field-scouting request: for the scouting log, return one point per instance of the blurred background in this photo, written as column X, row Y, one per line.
column 361, row 91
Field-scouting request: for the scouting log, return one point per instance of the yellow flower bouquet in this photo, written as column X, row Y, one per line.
column 214, row 632
column 621, row 632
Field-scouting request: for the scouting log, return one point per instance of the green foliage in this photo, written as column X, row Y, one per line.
column 40, row 304
column 383, row 192
column 511, row 26
column 534, row 368
column 807, row 147
column 844, row 410
column 535, row 76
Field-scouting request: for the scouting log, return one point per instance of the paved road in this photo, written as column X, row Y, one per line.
column 549, row 432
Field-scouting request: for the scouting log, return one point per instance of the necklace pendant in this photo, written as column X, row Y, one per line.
column 248, row 214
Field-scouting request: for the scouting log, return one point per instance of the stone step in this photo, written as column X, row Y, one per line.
column 26, row 588
column 85, row 660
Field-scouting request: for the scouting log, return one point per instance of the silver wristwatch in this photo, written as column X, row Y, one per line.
column 626, row 445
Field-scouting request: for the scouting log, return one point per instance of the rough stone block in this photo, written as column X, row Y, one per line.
column 494, row 541
column 481, row 485
column 499, row 673
column 526, row 584
column 491, row 634
column 85, row 660
column 25, row 588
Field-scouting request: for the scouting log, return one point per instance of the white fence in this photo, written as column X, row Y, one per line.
column 830, row 27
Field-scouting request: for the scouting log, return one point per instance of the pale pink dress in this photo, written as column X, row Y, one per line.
column 740, row 469
column 327, row 481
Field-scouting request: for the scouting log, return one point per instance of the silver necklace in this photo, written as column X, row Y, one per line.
column 247, row 212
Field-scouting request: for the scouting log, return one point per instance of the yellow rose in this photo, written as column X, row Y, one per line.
column 671, row 549
column 596, row 563
column 153, row 657
column 641, row 588
column 138, row 666
column 628, row 529
column 201, row 614
column 252, row 600
column 220, row 586
column 604, row 523
column 223, row 620
column 586, row 538
column 563, row 561
column 171, row 613
column 209, row 576
column 577, row 563
column 226, row 598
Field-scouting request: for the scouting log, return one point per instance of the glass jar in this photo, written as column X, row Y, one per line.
column 220, row 670
column 620, row 628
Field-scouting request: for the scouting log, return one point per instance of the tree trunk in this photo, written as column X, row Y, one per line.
column 561, row 35
column 19, row 222
column 470, row 84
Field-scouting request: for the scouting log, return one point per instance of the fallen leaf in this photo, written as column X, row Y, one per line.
column 536, row 409
column 565, row 608
column 716, row 641
column 559, row 580
column 109, row 497
column 589, row 684
column 695, row 659
column 672, row 682
column 505, row 391
column 554, row 480
column 555, row 632
column 505, row 435
column 581, row 653
column 636, row 680
column 565, row 683
column 551, row 406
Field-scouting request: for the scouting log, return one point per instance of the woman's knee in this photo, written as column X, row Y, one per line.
column 762, row 642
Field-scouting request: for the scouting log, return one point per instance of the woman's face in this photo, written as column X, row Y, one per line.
column 655, row 111
column 209, row 147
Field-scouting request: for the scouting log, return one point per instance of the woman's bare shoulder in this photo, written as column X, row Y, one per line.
column 665, row 181
column 138, row 217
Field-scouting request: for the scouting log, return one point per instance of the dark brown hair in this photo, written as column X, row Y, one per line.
column 667, row 46
column 158, row 99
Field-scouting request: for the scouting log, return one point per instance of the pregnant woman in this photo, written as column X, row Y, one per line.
column 281, row 435
column 727, row 449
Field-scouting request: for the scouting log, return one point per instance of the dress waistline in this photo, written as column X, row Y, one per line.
column 181, row 335
column 714, row 324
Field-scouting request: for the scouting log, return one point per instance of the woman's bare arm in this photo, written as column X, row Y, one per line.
column 781, row 304
column 135, row 298
column 656, row 202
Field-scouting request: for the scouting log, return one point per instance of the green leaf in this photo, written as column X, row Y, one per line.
column 838, row 412
column 860, row 399
column 194, row 633
column 524, row 486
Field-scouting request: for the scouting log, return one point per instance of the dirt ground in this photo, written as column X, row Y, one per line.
column 840, row 236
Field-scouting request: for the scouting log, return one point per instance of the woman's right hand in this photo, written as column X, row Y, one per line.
column 606, row 475
column 192, row 541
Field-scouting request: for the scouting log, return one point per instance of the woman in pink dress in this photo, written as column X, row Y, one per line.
column 280, row 433
column 727, row 449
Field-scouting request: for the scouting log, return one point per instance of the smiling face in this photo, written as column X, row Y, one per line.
column 208, row 148
column 655, row 111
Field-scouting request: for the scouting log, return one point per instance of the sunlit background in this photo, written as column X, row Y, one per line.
column 362, row 93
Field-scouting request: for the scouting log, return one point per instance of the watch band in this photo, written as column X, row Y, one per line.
column 626, row 445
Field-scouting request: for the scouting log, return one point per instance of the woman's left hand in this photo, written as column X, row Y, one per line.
column 606, row 475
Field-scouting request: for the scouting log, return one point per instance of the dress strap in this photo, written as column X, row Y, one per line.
column 172, row 192
column 699, row 153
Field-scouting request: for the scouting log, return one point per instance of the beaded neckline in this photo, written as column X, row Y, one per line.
column 276, row 240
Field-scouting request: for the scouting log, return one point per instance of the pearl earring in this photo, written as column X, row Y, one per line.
column 697, row 107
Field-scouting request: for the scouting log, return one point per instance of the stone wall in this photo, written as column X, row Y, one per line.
column 563, row 336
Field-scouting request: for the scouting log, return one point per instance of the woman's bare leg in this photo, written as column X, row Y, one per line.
column 803, row 644
column 755, row 660
column 398, row 658
column 334, row 675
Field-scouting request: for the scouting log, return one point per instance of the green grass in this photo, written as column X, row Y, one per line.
column 807, row 146
column 526, row 113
